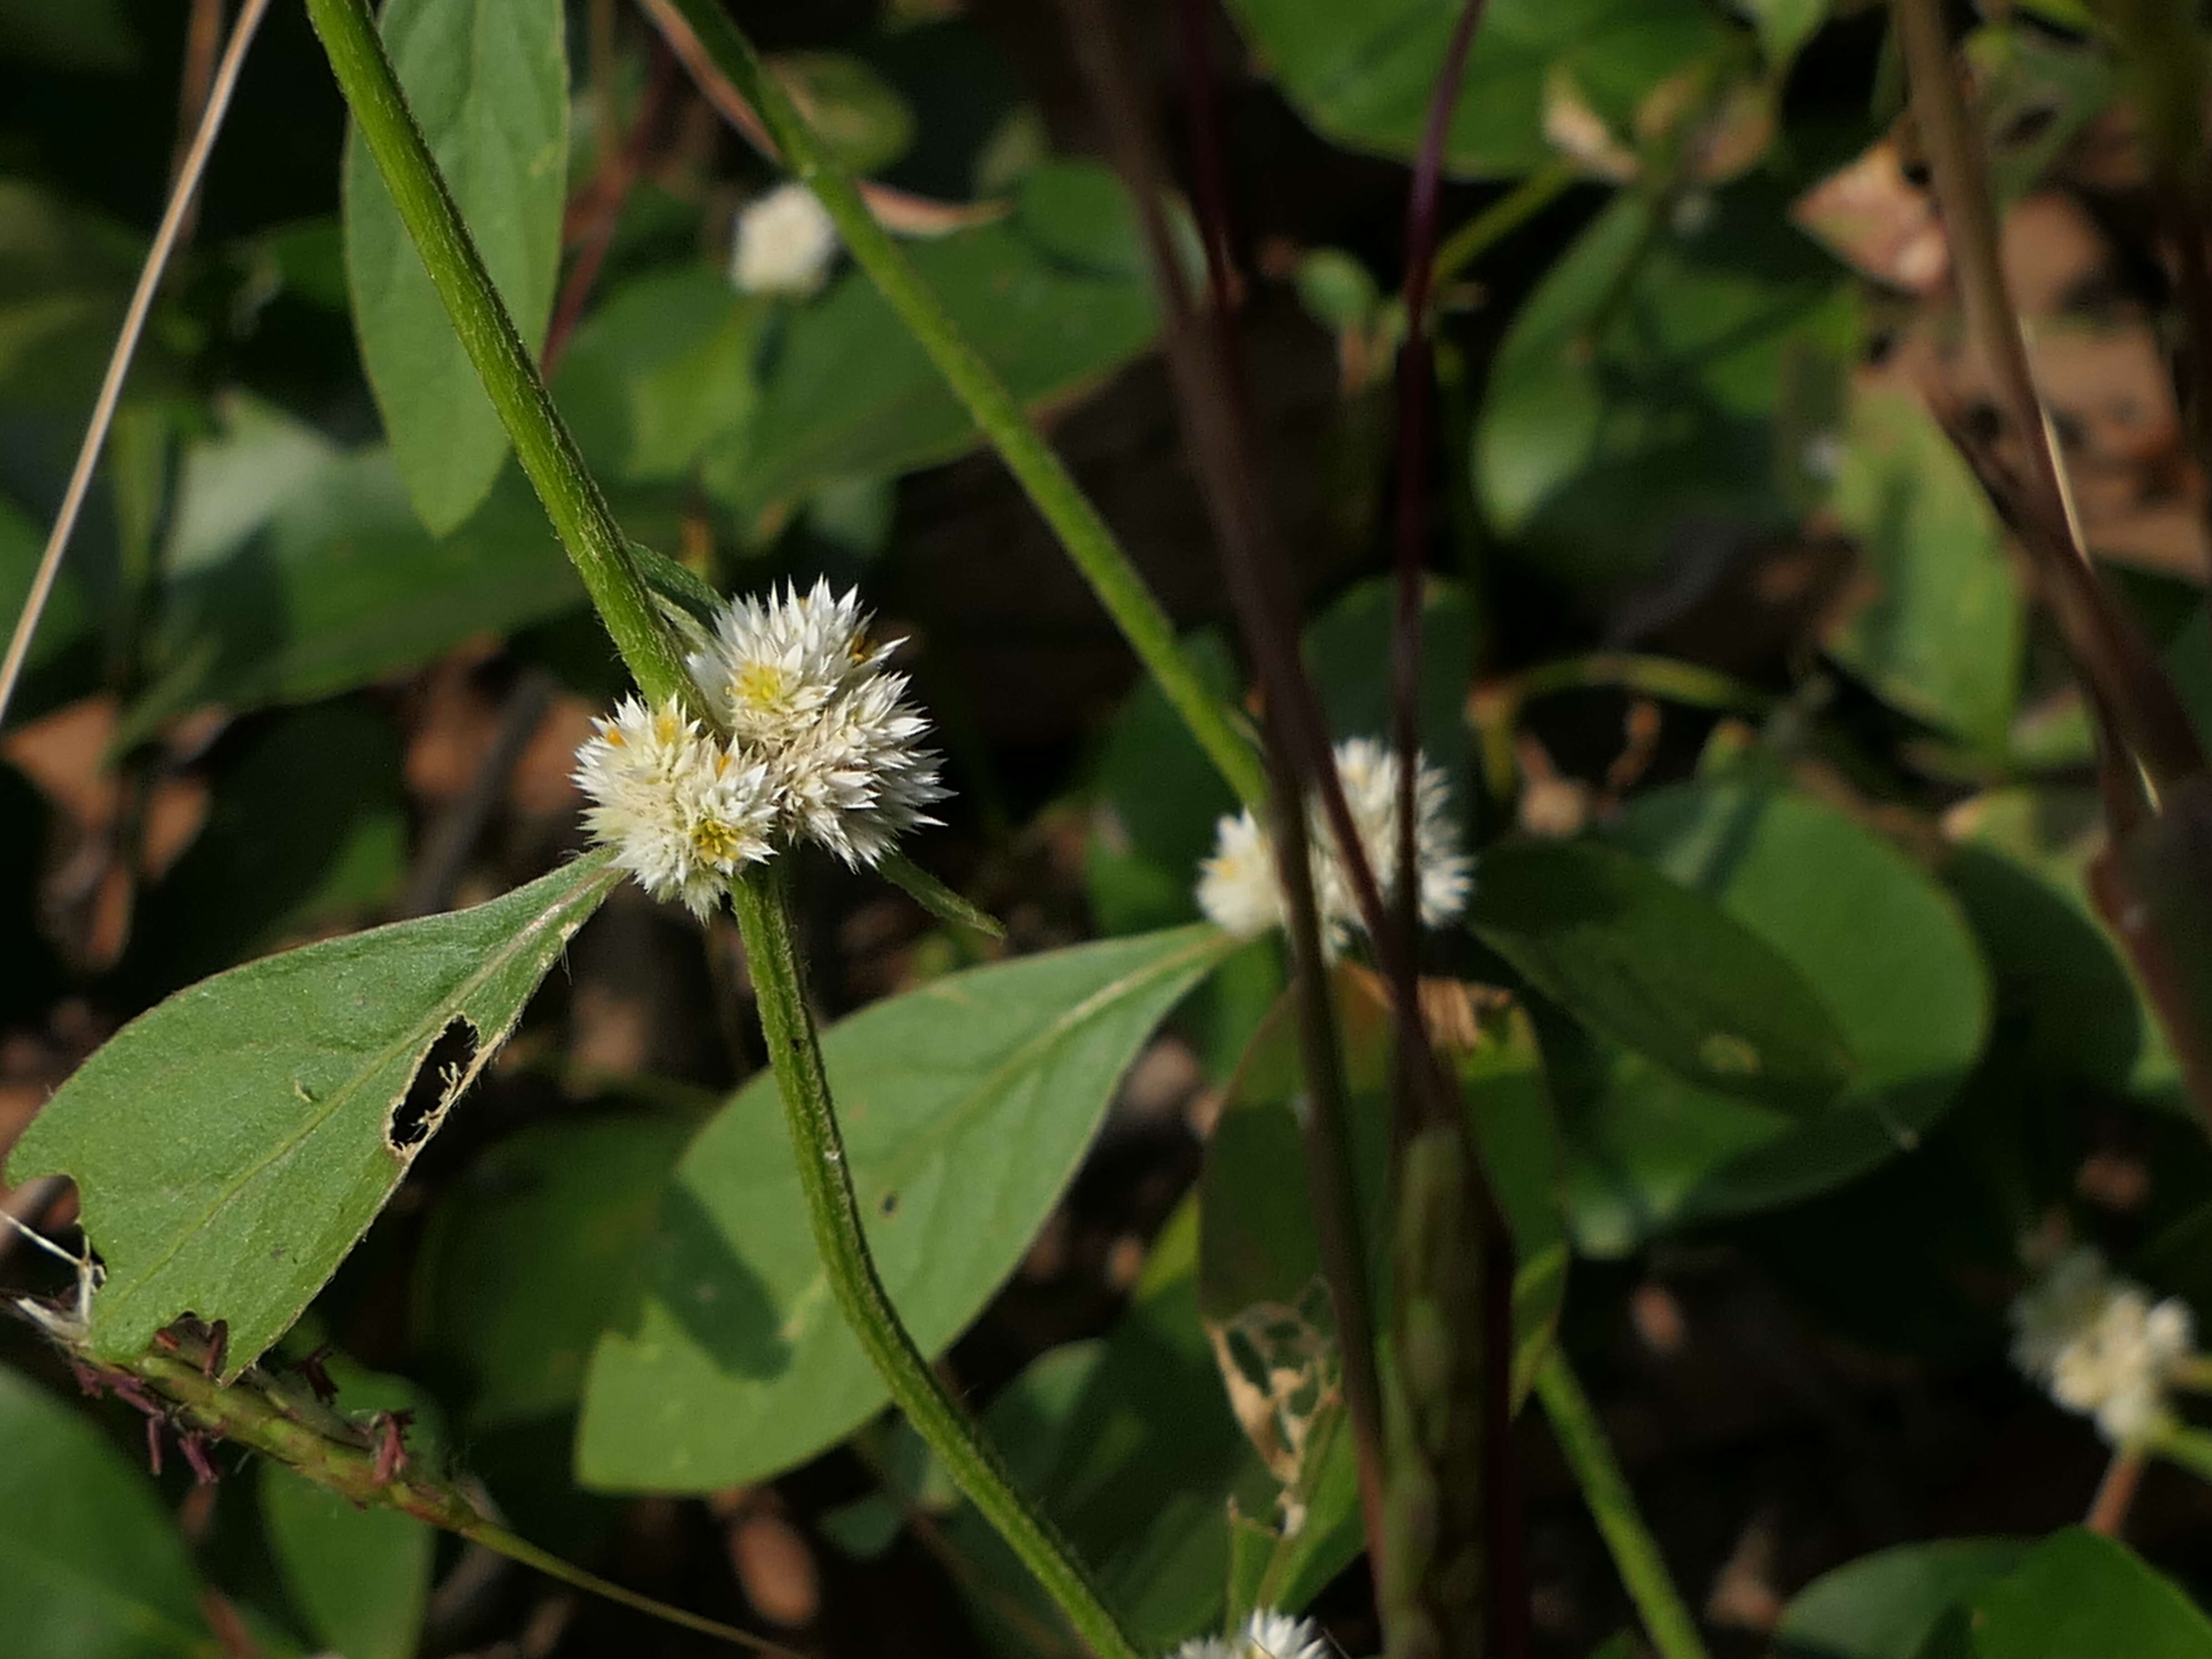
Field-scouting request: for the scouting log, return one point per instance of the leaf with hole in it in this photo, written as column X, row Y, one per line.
column 231, row 1145
column 90, row 1565
column 966, row 1105
column 1660, row 968
column 1260, row 1268
column 488, row 80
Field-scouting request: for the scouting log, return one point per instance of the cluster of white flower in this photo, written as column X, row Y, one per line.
column 1240, row 892
column 2099, row 1345
column 822, row 747
column 783, row 243
column 1266, row 1634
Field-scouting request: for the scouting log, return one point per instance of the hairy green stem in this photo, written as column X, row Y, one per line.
column 279, row 1418
column 572, row 499
column 762, row 900
column 1105, row 564
column 1643, row 1574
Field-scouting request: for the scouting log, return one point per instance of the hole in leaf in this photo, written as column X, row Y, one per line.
column 437, row 1080
column 890, row 1204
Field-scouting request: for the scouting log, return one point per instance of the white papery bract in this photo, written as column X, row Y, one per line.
column 1267, row 1635
column 682, row 812
column 2099, row 1345
column 1239, row 889
column 800, row 685
column 783, row 243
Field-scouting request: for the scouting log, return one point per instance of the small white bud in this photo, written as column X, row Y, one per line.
column 2099, row 1346
column 782, row 243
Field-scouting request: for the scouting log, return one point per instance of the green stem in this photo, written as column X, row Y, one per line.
column 762, row 901
column 1667, row 1620
column 279, row 1419
column 1090, row 542
column 579, row 512
column 1679, row 681
column 1503, row 217
column 2185, row 1448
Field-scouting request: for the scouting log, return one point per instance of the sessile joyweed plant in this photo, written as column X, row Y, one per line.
column 1335, row 1332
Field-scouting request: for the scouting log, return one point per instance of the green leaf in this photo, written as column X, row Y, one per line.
column 528, row 1259
column 1879, row 942
column 361, row 1576
column 2064, row 989
column 65, row 653
column 1130, row 1446
column 231, row 1145
column 295, row 570
column 308, row 827
column 1347, row 647
column 90, row 1564
column 860, row 115
column 1155, row 802
column 488, row 80
column 662, row 371
column 1055, row 297
column 1661, row 969
column 1364, row 75
column 1939, row 623
column 1664, row 375
column 2079, row 1593
column 1884, row 1606
column 65, row 280
column 966, row 1106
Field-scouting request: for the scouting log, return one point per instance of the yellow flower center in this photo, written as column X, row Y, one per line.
column 715, row 843
column 760, row 685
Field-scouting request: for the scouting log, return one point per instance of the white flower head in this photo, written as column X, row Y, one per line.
column 682, row 811
column 1267, row 1635
column 783, row 243
column 1238, row 887
column 800, row 686
column 2099, row 1345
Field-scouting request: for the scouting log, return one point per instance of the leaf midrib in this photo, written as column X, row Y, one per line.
column 345, row 1093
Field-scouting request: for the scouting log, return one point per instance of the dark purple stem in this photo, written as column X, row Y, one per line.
column 1506, row 1559
column 1422, row 208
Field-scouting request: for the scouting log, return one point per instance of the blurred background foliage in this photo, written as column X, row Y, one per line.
column 1714, row 608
